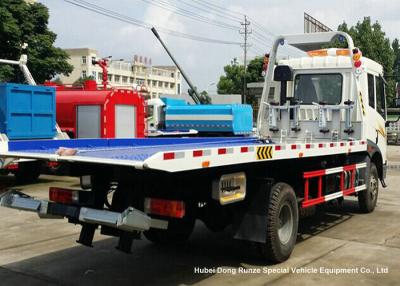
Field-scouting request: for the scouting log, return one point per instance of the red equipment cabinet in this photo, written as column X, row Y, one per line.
column 89, row 112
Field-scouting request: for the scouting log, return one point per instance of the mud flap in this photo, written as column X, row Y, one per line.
column 250, row 219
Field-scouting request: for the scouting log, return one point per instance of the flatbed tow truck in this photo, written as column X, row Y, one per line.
column 320, row 137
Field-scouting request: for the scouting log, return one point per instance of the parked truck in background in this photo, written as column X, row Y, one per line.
column 393, row 127
column 27, row 111
column 91, row 112
column 170, row 116
column 323, row 124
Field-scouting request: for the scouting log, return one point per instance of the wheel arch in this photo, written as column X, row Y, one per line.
column 375, row 155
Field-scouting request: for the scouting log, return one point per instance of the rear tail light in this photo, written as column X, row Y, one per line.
column 52, row 164
column 64, row 196
column 162, row 207
column 12, row 167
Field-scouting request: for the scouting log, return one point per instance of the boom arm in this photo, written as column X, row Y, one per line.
column 193, row 93
column 304, row 42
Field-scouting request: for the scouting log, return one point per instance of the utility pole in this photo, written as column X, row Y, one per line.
column 246, row 32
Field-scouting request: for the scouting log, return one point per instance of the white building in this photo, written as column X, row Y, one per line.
column 133, row 74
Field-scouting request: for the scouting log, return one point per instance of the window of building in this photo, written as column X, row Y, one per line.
column 166, row 84
column 154, row 83
column 172, row 85
column 160, row 84
column 117, row 78
column 178, row 91
column 110, row 77
column 310, row 88
column 380, row 96
column 172, row 74
column 94, row 74
column 83, row 74
column 124, row 79
column 153, row 94
column 131, row 79
column 100, row 76
column 371, row 91
column 93, row 59
column 148, row 82
column 83, row 59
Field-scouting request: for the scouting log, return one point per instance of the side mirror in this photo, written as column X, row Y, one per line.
column 283, row 73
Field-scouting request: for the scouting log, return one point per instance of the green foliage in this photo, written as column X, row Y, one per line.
column 27, row 23
column 396, row 66
column 374, row 44
column 232, row 81
column 205, row 98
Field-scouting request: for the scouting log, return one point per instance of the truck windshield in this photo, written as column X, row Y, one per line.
column 327, row 88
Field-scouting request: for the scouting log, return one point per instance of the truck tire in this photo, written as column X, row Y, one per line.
column 178, row 232
column 28, row 172
column 367, row 199
column 282, row 224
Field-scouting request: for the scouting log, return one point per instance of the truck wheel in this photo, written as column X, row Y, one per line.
column 282, row 223
column 367, row 199
column 27, row 172
column 178, row 232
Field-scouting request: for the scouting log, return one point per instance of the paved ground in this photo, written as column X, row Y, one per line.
column 44, row 252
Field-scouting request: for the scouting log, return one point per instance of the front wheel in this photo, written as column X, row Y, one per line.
column 367, row 199
column 282, row 223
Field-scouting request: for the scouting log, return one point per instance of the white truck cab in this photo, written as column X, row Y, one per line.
column 155, row 115
column 329, row 94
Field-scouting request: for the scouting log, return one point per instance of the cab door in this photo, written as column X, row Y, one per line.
column 377, row 113
column 380, row 107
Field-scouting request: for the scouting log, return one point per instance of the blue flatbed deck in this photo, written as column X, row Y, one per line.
column 124, row 149
column 175, row 154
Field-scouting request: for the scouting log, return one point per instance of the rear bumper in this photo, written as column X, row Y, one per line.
column 130, row 219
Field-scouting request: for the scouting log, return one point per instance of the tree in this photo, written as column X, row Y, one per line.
column 374, row 44
column 22, row 23
column 396, row 66
column 232, row 81
column 205, row 98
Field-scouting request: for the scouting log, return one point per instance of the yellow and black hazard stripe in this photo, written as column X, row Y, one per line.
column 362, row 104
column 264, row 152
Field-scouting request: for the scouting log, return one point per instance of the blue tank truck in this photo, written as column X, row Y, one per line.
column 175, row 117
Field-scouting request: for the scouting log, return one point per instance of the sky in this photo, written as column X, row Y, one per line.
column 202, row 61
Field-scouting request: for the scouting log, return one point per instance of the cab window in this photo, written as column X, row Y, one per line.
column 380, row 96
column 327, row 88
column 371, row 91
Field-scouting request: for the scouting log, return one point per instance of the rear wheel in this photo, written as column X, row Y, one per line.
column 282, row 223
column 367, row 199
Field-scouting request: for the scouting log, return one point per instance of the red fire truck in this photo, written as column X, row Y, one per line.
column 90, row 112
